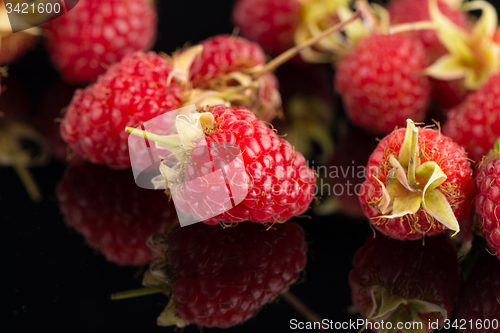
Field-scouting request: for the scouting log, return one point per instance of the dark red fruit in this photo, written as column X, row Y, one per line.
column 112, row 213
column 420, row 282
column 219, row 277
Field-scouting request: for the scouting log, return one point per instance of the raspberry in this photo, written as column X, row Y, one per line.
column 113, row 215
column 271, row 23
column 478, row 304
column 381, row 82
column 224, row 54
column 96, row 34
column 130, row 93
column 219, row 277
column 271, row 180
column 475, row 124
column 487, row 179
column 424, row 278
column 410, row 219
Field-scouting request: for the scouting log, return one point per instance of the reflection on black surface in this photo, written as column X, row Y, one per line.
column 478, row 308
column 112, row 213
column 221, row 277
column 395, row 282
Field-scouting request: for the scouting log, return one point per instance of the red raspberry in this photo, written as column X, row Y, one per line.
column 426, row 277
column 479, row 304
column 219, row 277
column 453, row 192
column 130, row 93
column 475, row 124
column 487, row 179
column 224, row 54
column 381, row 82
column 96, row 34
column 271, row 23
column 406, row 11
column 273, row 182
column 113, row 215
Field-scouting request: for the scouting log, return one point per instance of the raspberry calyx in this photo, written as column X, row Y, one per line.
column 472, row 56
column 394, row 308
column 411, row 185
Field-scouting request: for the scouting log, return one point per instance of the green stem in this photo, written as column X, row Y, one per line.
column 28, row 181
column 412, row 165
column 151, row 136
column 497, row 146
column 287, row 55
column 135, row 293
column 413, row 26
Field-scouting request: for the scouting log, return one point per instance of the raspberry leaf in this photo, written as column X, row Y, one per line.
column 386, row 305
column 436, row 204
column 408, row 204
column 473, row 56
column 170, row 317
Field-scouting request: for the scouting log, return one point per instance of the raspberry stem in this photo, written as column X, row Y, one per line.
column 412, row 165
column 151, row 136
column 413, row 26
column 28, row 181
column 300, row 307
column 287, row 55
column 135, row 293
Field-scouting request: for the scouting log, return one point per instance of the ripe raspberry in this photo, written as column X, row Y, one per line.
column 113, row 215
column 487, row 180
column 475, row 124
column 479, row 304
column 421, row 282
column 439, row 163
column 406, row 11
column 271, row 23
column 214, row 70
column 96, row 34
column 270, row 180
column 219, row 277
column 130, row 93
column 224, row 54
column 381, row 82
